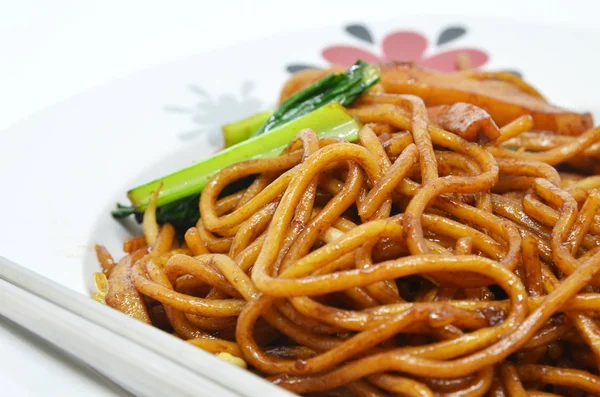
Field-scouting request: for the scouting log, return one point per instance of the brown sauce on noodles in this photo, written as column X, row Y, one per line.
column 451, row 252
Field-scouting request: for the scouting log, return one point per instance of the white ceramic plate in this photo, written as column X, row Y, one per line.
column 64, row 169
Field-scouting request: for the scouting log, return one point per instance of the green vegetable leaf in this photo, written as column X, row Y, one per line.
column 343, row 88
column 320, row 107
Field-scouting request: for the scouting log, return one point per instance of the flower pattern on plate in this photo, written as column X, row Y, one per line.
column 211, row 112
column 402, row 46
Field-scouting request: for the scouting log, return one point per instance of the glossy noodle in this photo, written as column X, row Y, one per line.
column 453, row 250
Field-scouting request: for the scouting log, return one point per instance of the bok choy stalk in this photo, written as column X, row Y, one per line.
column 343, row 88
column 319, row 107
column 243, row 129
column 178, row 197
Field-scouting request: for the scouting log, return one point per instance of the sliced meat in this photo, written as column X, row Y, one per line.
column 122, row 295
column 503, row 100
column 468, row 121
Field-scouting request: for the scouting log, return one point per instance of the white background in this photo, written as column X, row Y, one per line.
column 52, row 50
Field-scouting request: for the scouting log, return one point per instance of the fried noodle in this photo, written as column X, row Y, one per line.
column 433, row 257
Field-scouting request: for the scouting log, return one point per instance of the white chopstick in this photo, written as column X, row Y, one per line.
column 144, row 360
column 137, row 369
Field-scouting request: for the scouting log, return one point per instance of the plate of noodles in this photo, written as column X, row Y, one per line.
column 405, row 207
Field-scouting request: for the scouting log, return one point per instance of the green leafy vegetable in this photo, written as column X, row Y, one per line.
column 343, row 88
column 320, row 107
column 175, row 201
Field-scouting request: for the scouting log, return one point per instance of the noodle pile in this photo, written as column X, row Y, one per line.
column 439, row 255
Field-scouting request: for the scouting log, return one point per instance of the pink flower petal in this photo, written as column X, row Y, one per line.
column 345, row 55
column 446, row 61
column 404, row 46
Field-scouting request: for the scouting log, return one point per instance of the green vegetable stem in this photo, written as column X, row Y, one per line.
column 331, row 120
column 343, row 88
column 320, row 107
